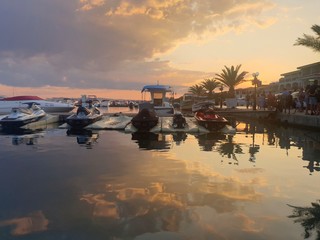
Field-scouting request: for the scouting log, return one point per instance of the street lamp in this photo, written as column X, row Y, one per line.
column 221, row 89
column 255, row 82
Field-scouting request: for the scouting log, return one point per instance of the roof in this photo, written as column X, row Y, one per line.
column 21, row 98
column 157, row 88
column 309, row 65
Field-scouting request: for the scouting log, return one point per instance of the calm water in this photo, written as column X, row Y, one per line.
column 260, row 183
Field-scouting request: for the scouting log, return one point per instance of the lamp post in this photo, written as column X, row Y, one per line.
column 255, row 82
column 221, row 89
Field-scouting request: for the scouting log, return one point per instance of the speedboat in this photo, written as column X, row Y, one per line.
column 202, row 105
column 146, row 118
column 22, row 116
column 208, row 118
column 161, row 104
column 6, row 104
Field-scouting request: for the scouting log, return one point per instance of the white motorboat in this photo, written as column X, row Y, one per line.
column 161, row 104
column 6, row 104
column 105, row 103
column 22, row 116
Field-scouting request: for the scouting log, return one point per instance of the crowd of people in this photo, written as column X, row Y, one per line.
column 305, row 100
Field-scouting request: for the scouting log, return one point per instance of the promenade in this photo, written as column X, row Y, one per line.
column 294, row 118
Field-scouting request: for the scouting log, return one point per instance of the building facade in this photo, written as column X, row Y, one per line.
column 305, row 75
column 300, row 78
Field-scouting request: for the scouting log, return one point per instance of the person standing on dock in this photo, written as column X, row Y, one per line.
column 271, row 101
column 313, row 101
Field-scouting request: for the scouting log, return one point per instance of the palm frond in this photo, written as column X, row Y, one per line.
column 310, row 41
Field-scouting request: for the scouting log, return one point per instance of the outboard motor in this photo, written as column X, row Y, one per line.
column 179, row 121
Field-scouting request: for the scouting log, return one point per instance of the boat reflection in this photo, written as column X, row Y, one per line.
column 152, row 141
column 85, row 137
column 24, row 136
column 29, row 139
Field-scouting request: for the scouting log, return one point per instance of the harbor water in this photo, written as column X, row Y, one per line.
column 262, row 182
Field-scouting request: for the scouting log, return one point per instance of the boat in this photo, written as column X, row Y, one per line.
column 89, row 100
column 208, row 118
column 202, row 105
column 105, row 103
column 187, row 101
column 161, row 104
column 84, row 115
column 179, row 121
column 22, row 116
column 6, row 104
column 146, row 117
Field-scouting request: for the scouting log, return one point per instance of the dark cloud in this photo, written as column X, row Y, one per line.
column 102, row 43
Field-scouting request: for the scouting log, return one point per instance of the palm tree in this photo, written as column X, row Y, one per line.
column 231, row 78
column 197, row 90
column 310, row 41
column 209, row 85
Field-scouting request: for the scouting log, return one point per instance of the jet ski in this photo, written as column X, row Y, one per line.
column 178, row 121
column 84, row 117
column 146, row 118
column 22, row 116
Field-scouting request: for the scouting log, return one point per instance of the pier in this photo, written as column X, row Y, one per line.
column 295, row 118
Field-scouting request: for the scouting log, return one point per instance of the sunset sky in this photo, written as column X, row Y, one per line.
column 112, row 48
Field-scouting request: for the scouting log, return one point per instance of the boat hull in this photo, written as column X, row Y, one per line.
column 17, row 123
column 164, row 111
column 78, row 123
column 211, row 121
column 145, row 120
column 47, row 106
column 179, row 121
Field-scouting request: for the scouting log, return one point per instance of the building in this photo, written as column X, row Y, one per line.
column 294, row 80
column 299, row 78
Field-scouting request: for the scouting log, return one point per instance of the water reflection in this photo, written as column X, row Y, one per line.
column 28, row 139
column 308, row 217
column 207, row 142
column 24, row 136
column 85, row 137
column 152, row 141
column 230, row 149
column 175, row 208
column 34, row 222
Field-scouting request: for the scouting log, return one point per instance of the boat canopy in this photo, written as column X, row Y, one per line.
column 157, row 88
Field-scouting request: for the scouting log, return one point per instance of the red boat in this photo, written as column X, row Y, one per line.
column 209, row 119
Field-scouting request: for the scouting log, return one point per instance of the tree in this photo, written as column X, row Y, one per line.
column 308, row 217
column 310, row 41
column 231, row 78
column 197, row 90
column 209, row 85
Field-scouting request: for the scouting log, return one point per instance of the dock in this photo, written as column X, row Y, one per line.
column 295, row 118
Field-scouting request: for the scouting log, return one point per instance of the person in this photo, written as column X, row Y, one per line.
column 313, row 101
column 301, row 96
column 262, row 101
column 306, row 99
column 270, row 100
column 248, row 100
